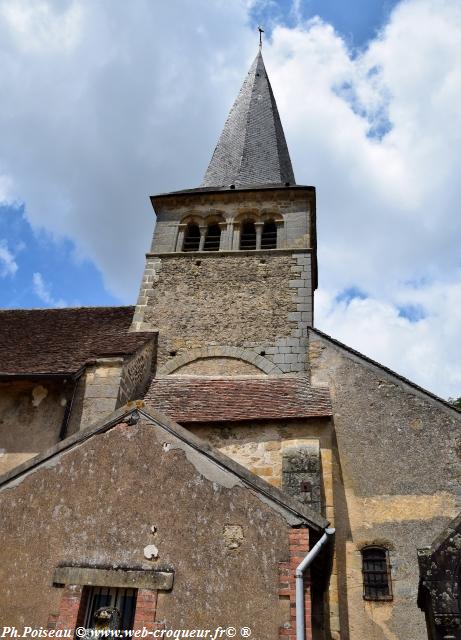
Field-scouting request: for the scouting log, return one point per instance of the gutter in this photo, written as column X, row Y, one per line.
column 299, row 575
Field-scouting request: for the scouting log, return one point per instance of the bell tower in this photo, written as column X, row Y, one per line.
column 230, row 277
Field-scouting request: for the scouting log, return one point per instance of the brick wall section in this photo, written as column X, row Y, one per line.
column 146, row 610
column 71, row 608
column 299, row 546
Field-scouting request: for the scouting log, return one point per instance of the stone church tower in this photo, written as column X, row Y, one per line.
column 233, row 265
column 218, row 390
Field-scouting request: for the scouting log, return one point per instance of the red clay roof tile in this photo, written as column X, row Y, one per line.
column 191, row 399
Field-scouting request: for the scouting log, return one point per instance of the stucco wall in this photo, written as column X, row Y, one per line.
column 262, row 446
column 96, row 505
column 31, row 415
column 398, row 484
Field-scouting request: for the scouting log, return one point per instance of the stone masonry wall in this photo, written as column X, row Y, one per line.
column 264, row 447
column 256, row 300
column 398, row 483
column 136, row 373
column 101, row 390
column 294, row 207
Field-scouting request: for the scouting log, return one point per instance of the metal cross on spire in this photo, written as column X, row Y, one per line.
column 261, row 31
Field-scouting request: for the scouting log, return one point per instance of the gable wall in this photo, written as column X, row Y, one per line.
column 398, row 484
column 96, row 504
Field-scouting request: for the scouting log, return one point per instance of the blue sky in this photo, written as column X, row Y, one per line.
column 106, row 103
column 46, row 272
column 357, row 21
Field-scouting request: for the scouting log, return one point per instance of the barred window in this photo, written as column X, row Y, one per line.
column 376, row 574
column 191, row 238
column 109, row 608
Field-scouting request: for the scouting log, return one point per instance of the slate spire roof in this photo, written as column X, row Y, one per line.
column 252, row 149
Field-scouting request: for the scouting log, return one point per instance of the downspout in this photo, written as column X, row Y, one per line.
column 299, row 574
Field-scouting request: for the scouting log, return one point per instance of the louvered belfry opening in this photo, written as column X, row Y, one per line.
column 269, row 235
column 212, row 238
column 248, row 236
column 376, row 574
column 192, row 238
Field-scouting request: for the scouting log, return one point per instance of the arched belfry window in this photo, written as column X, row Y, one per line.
column 248, row 236
column 269, row 235
column 191, row 238
column 212, row 238
column 376, row 573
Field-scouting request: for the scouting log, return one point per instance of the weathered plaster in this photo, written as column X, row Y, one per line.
column 128, row 477
column 397, row 474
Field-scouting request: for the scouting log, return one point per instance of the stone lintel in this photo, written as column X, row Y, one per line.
column 123, row 578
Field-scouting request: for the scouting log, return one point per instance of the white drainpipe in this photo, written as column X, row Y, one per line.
column 299, row 573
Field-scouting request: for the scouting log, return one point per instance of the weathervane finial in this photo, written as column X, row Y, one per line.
column 261, row 31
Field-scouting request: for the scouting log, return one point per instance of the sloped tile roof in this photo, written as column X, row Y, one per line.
column 252, row 149
column 188, row 399
column 37, row 341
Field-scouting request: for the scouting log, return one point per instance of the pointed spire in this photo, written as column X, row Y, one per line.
column 252, row 149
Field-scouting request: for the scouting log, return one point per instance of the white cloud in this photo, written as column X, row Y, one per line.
column 8, row 265
column 6, row 189
column 42, row 290
column 135, row 99
column 41, row 27
column 426, row 350
column 387, row 208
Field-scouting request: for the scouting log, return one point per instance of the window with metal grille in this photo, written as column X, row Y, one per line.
column 376, row 574
column 248, row 236
column 212, row 238
column 110, row 608
column 191, row 238
column 269, row 235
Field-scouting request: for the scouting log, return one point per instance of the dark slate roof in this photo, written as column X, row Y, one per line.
column 252, row 149
column 58, row 341
column 190, row 399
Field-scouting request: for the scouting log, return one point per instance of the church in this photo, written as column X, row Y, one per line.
column 208, row 462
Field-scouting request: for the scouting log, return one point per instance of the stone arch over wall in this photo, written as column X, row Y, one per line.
column 235, row 353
